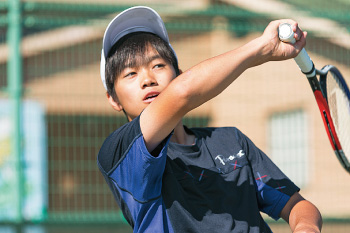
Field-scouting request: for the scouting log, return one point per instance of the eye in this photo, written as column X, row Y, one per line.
column 160, row 65
column 130, row 74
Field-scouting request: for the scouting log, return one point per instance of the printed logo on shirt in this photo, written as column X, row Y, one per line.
column 223, row 160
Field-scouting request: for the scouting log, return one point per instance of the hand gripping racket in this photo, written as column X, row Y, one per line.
column 332, row 97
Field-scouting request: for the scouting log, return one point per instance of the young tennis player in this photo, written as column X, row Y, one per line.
column 169, row 178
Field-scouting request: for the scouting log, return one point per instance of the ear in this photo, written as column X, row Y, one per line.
column 115, row 104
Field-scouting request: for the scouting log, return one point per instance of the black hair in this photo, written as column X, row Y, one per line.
column 130, row 50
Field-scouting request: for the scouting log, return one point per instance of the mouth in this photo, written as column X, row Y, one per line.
column 150, row 97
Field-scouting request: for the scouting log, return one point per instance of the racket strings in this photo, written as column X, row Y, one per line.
column 339, row 106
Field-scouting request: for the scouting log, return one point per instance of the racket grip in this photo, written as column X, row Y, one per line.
column 303, row 60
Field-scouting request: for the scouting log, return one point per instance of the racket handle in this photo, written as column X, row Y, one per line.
column 303, row 60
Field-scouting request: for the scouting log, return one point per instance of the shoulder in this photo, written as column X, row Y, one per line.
column 218, row 133
column 220, row 138
column 117, row 144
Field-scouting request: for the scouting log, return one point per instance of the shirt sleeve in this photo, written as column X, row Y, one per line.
column 133, row 174
column 273, row 187
column 125, row 160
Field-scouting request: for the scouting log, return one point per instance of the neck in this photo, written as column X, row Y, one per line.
column 180, row 135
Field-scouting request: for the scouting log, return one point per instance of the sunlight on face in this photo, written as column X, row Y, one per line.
column 141, row 82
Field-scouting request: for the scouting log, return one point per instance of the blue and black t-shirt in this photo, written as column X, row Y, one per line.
column 219, row 184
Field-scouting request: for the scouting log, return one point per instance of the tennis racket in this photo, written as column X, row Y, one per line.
column 332, row 97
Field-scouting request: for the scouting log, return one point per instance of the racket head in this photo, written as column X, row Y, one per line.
column 337, row 94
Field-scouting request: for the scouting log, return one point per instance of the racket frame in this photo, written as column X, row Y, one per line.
column 325, row 113
column 326, row 116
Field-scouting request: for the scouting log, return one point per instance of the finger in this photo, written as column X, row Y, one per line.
column 298, row 33
column 296, row 29
column 294, row 26
column 301, row 42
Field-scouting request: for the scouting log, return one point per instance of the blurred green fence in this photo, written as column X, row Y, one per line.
column 64, row 115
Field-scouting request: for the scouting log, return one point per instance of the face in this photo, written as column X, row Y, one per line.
column 137, row 87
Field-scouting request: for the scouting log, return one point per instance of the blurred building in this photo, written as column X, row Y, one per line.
column 272, row 103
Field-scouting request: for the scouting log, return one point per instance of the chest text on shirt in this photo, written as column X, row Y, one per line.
column 224, row 160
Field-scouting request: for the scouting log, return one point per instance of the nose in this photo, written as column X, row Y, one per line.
column 148, row 79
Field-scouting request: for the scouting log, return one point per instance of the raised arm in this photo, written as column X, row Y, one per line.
column 209, row 78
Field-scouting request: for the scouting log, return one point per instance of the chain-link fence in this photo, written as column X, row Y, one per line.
column 64, row 117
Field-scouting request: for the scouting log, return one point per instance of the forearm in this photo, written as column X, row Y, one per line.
column 305, row 217
column 212, row 76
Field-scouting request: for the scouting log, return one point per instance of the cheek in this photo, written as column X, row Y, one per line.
column 121, row 92
column 168, row 78
column 126, row 92
column 165, row 82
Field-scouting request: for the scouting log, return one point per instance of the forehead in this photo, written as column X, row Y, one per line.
column 141, row 58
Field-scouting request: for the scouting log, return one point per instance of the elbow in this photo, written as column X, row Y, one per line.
column 186, row 96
